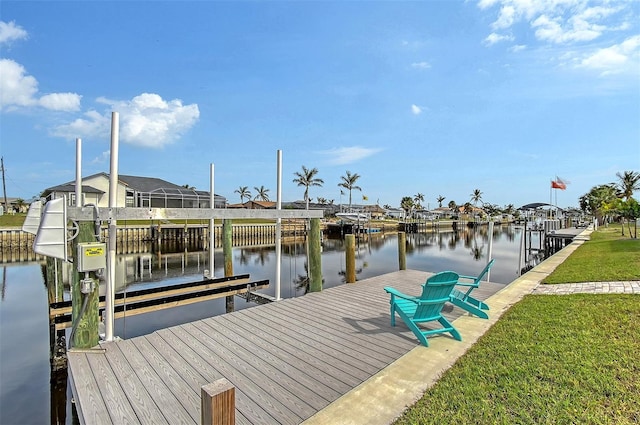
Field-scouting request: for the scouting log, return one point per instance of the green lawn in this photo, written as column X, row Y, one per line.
column 550, row 359
column 572, row 359
column 12, row 220
column 607, row 256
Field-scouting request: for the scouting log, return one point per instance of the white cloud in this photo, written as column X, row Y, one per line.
column 615, row 59
column 551, row 29
column 60, row 101
column 17, row 89
column 92, row 125
column 348, row 154
column 421, row 65
column 10, row 32
column 506, row 18
column 518, row 48
column 146, row 120
column 416, row 110
column 494, row 38
column 562, row 21
column 102, row 158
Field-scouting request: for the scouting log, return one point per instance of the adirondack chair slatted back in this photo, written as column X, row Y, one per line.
column 464, row 300
column 482, row 274
column 435, row 292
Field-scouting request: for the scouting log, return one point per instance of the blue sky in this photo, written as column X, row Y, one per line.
column 432, row 97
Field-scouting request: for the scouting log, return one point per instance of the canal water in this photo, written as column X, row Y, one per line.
column 31, row 394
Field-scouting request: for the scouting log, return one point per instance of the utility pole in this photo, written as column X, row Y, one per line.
column 4, row 187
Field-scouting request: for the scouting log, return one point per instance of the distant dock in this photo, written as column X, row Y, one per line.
column 287, row 360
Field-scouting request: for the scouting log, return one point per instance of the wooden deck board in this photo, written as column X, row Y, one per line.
column 168, row 404
column 287, row 360
column 87, row 392
column 301, row 361
column 302, row 379
column 145, row 408
column 377, row 347
column 120, row 410
column 300, row 395
column 244, row 374
column 186, row 395
column 314, row 353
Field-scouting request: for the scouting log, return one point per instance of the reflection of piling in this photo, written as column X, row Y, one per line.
column 350, row 257
column 402, row 251
column 58, row 401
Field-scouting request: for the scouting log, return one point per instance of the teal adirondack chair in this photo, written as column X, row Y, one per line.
column 425, row 308
column 465, row 301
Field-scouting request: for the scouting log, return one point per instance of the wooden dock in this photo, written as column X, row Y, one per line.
column 287, row 360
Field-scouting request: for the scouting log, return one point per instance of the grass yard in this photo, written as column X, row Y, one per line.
column 12, row 220
column 571, row 359
column 607, row 256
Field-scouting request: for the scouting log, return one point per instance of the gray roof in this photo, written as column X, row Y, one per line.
column 71, row 187
column 150, row 184
column 137, row 183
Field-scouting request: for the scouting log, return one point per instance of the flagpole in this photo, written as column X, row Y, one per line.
column 550, row 196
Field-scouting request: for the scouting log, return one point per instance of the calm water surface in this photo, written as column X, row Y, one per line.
column 30, row 395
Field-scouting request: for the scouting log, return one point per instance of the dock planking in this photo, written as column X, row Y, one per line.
column 287, row 360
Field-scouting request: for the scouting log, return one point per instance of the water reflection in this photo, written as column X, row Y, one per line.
column 30, row 393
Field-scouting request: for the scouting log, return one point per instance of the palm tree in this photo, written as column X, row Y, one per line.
column 419, row 199
column 598, row 200
column 407, row 204
column 262, row 193
column 20, row 204
column 244, row 192
column 307, row 178
column 468, row 209
column 349, row 182
column 476, row 197
column 453, row 207
column 386, row 206
column 440, row 199
column 629, row 182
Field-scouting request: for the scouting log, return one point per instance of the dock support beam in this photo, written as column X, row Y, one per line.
column 218, row 403
column 315, row 256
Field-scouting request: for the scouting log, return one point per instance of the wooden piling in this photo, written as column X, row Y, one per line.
column 86, row 323
column 402, row 251
column 315, row 256
column 350, row 257
column 218, row 403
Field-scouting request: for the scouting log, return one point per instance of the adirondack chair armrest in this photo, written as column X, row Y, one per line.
column 399, row 294
column 467, row 277
column 472, row 278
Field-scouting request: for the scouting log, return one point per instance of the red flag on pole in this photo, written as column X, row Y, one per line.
column 558, row 184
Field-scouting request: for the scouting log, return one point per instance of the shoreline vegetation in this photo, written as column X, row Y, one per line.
column 550, row 358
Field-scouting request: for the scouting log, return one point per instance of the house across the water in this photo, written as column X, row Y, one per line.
column 135, row 191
